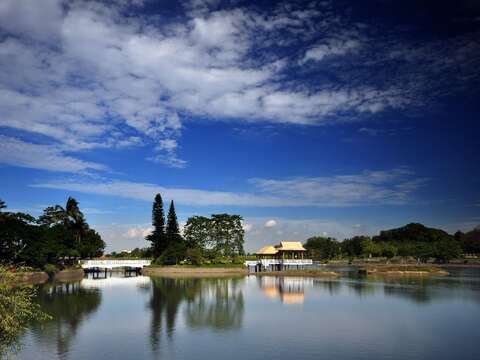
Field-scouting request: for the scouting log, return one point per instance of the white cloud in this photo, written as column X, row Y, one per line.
column 146, row 192
column 139, row 232
column 369, row 187
column 394, row 187
column 247, row 227
column 332, row 47
column 123, row 236
column 46, row 157
column 270, row 223
column 111, row 81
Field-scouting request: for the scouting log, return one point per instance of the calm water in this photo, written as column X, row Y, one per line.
column 259, row 318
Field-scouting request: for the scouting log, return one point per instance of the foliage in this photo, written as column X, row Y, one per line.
column 212, row 239
column 59, row 235
column 323, row 248
column 157, row 237
column 137, row 253
column 412, row 232
column 412, row 240
column 17, row 308
column 353, row 247
column 470, row 241
column 194, row 256
column 227, row 234
column 50, row 269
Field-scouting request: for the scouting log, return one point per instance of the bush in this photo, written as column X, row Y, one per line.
column 50, row 269
column 17, row 308
column 194, row 256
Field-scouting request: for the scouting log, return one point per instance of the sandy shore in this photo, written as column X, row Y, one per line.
column 192, row 271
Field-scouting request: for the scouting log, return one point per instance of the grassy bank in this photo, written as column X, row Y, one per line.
column 402, row 270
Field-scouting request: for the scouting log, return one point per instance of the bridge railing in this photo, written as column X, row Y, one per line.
column 86, row 264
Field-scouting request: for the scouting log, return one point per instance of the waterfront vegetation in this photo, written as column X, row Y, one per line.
column 50, row 242
column 17, row 309
column 412, row 242
column 205, row 241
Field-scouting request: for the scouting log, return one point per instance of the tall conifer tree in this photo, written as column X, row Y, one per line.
column 157, row 237
column 172, row 223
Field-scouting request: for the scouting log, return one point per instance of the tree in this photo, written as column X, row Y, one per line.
column 157, row 237
column 412, row 232
column 173, row 229
column 470, row 241
column 2, row 205
column 370, row 248
column 175, row 250
column 74, row 219
column 227, row 234
column 323, row 247
column 446, row 250
column 17, row 309
column 59, row 233
column 197, row 233
column 353, row 247
column 388, row 250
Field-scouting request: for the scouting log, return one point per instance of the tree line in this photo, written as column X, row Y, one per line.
column 218, row 239
column 412, row 240
column 57, row 237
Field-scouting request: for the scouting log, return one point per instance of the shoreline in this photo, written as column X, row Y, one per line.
column 193, row 271
column 41, row 277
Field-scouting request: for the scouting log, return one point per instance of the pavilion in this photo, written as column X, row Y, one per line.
column 284, row 256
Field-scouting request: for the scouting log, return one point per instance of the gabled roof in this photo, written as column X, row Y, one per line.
column 267, row 250
column 290, row 246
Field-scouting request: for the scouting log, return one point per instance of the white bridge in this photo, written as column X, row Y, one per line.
column 110, row 264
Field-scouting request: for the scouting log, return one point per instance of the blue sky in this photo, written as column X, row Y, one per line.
column 307, row 118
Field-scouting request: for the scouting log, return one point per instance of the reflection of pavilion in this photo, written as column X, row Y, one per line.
column 290, row 290
column 287, row 255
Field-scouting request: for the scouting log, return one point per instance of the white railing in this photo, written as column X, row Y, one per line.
column 297, row 262
column 268, row 262
column 110, row 264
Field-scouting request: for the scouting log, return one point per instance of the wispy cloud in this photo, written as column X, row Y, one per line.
column 85, row 76
column 370, row 187
column 395, row 187
column 46, row 157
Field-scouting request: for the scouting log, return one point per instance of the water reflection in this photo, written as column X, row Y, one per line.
column 462, row 283
column 215, row 303
column 290, row 290
column 69, row 304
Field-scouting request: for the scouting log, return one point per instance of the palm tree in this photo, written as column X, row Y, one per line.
column 74, row 219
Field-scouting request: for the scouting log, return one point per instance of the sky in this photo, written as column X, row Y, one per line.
column 331, row 118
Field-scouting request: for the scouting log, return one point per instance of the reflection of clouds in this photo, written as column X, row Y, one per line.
column 290, row 290
column 114, row 281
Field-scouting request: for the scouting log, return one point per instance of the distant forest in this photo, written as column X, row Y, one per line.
column 410, row 241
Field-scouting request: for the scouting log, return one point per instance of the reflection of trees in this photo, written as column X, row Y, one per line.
column 219, row 305
column 332, row 286
column 215, row 303
column 69, row 305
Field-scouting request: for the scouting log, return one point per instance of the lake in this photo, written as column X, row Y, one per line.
column 259, row 318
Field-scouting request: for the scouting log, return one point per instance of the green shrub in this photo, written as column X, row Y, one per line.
column 50, row 269
column 17, row 309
